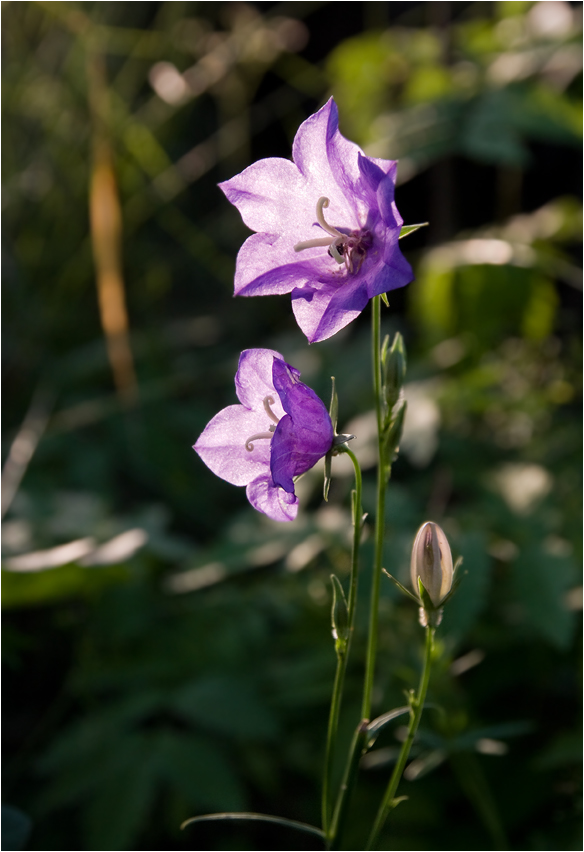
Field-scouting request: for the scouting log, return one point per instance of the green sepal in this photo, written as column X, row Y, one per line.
column 402, row 588
column 339, row 616
column 383, row 350
column 425, row 598
column 393, row 366
column 375, row 727
column 327, row 475
column 334, row 406
column 456, row 581
column 409, row 229
column 384, row 299
column 392, row 436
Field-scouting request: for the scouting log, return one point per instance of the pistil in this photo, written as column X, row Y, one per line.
column 268, row 401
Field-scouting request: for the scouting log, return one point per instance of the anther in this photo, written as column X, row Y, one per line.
column 336, row 250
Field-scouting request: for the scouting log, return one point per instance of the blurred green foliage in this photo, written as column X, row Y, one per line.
column 167, row 650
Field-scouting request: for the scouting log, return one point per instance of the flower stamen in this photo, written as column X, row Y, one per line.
column 323, row 241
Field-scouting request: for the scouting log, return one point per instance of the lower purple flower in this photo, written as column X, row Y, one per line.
column 279, row 431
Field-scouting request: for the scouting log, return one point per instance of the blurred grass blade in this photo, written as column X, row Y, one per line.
column 288, row 823
column 24, row 445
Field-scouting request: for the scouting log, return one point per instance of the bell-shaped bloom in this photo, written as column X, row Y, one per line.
column 279, row 431
column 432, row 563
column 331, row 263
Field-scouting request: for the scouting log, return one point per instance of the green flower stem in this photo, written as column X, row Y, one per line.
column 379, row 517
column 343, row 656
column 417, row 706
column 349, row 777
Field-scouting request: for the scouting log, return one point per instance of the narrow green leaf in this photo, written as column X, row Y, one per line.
column 409, row 229
column 384, row 299
column 375, row 727
column 339, row 615
column 401, row 588
column 289, row 823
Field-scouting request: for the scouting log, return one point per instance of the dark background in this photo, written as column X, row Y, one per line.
column 176, row 658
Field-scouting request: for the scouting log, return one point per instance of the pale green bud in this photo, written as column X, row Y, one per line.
column 432, row 563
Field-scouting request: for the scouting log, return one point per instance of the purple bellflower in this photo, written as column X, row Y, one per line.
column 279, row 431
column 331, row 264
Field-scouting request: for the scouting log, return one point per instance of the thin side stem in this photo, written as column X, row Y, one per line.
column 343, row 657
column 379, row 517
column 331, row 739
column 388, row 802
column 348, row 782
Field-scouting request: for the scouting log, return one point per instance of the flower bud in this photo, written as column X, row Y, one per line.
column 432, row 563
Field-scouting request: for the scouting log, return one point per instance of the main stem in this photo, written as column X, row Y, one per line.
column 388, row 802
column 342, row 657
column 380, row 515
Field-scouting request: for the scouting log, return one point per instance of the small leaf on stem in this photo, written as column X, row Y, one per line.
column 409, row 229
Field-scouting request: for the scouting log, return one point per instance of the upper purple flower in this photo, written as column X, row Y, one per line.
column 280, row 430
column 332, row 263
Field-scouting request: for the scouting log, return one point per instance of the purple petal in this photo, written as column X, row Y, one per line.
column 321, row 313
column 269, row 195
column 394, row 272
column 253, row 382
column 269, row 266
column 386, row 202
column 315, row 139
column 271, row 500
column 221, row 445
column 304, row 435
column 371, row 176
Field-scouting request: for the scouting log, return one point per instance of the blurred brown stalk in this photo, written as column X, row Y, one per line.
column 106, row 233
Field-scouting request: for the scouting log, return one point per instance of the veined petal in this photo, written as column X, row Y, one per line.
column 296, row 450
column 313, row 146
column 270, row 195
column 394, row 272
column 387, row 205
column 321, row 313
column 268, row 266
column 221, row 445
column 268, row 498
column 304, row 435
